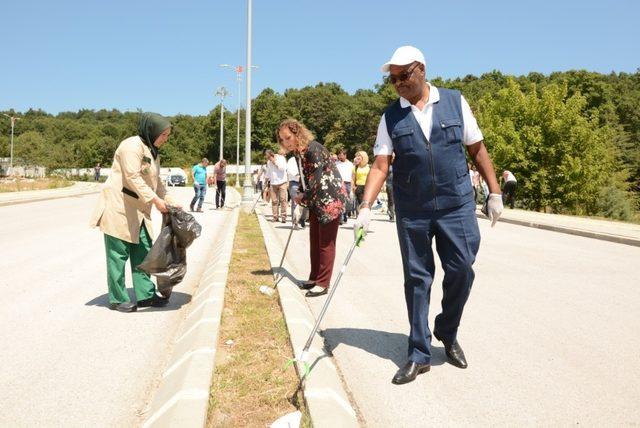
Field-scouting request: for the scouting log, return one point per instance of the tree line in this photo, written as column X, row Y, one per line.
column 571, row 138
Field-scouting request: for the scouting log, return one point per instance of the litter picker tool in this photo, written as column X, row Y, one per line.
column 253, row 209
column 303, row 355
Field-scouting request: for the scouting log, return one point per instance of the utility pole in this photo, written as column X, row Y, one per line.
column 13, row 122
column 247, row 195
column 222, row 93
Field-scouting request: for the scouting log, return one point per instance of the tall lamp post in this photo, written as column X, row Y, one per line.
column 13, row 122
column 247, row 194
column 238, row 71
column 222, row 93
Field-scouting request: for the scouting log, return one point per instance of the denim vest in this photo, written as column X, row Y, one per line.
column 429, row 175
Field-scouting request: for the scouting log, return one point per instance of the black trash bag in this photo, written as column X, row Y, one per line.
column 167, row 259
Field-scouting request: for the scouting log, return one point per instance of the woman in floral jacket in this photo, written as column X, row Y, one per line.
column 324, row 195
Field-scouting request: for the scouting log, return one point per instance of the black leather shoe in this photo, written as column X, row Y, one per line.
column 454, row 353
column 317, row 293
column 409, row 372
column 123, row 307
column 306, row 285
column 155, row 301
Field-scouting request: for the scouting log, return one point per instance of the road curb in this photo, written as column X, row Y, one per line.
column 66, row 192
column 327, row 400
column 570, row 231
column 182, row 398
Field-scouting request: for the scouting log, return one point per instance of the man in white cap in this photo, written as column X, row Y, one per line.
column 427, row 129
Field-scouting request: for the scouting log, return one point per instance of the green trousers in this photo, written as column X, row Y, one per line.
column 118, row 252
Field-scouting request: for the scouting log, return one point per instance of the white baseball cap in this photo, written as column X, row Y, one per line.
column 404, row 55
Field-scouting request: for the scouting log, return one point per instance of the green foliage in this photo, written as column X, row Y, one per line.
column 572, row 138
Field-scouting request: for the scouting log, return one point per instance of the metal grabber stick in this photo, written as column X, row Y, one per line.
column 303, row 354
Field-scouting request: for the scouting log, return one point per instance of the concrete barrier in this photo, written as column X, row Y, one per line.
column 182, row 399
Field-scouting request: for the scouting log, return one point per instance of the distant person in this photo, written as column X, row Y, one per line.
column 264, row 180
column 323, row 195
column 359, row 178
column 509, row 188
column 485, row 189
column 220, row 174
column 96, row 172
column 293, row 175
column 345, row 168
column 277, row 174
column 475, row 181
column 389, row 184
column 199, row 175
column 123, row 212
column 255, row 181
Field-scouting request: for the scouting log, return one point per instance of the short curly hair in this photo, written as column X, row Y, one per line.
column 303, row 135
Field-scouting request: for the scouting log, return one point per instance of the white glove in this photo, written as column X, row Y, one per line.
column 494, row 207
column 362, row 222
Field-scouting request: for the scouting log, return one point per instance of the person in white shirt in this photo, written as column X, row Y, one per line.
column 277, row 175
column 293, row 175
column 428, row 129
column 509, row 188
column 345, row 168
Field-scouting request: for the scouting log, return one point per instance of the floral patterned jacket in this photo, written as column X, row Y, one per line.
column 325, row 195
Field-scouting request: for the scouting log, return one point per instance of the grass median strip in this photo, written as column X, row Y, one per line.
column 250, row 388
column 26, row 184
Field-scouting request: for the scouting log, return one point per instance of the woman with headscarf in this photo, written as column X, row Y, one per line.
column 325, row 196
column 123, row 212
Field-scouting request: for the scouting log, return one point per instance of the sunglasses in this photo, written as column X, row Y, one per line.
column 402, row 76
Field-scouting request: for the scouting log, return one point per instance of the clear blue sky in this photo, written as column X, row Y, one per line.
column 163, row 56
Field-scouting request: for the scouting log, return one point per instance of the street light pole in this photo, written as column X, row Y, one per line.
column 13, row 122
column 239, row 78
column 222, row 92
column 238, row 71
column 247, row 195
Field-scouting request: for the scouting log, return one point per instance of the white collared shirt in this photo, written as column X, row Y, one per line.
column 292, row 169
column 277, row 172
column 345, row 169
column 471, row 132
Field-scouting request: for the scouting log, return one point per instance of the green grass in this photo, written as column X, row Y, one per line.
column 250, row 386
column 25, row 184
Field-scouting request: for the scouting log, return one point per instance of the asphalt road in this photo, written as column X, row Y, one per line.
column 551, row 331
column 65, row 358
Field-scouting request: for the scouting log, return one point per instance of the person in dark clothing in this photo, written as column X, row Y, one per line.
column 390, row 205
column 509, row 188
column 427, row 128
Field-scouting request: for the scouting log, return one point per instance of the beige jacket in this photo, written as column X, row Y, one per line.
column 119, row 213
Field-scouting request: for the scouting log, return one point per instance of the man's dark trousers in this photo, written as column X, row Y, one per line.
column 457, row 242
column 221, row 192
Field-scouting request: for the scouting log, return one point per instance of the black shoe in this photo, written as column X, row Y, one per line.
column 123, row 307
column 322, row 292
column 454, row 353
column 409, row 372
column 306, row 285
column 155, row 301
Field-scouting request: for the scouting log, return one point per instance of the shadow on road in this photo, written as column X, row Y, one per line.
column 390, row 346
column 279, row 272
column 176, row 301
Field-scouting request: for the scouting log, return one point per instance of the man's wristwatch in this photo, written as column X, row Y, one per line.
column 364, row 204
